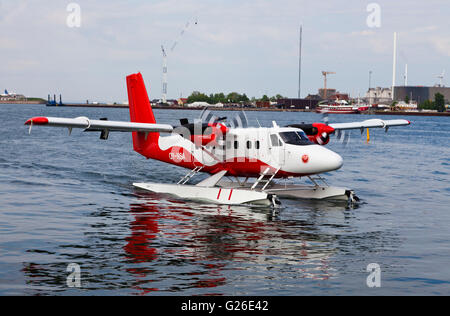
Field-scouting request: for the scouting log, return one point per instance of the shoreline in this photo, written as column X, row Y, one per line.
column 123, row 106
column 23, row 102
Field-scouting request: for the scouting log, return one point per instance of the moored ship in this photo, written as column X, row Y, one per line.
column 337, row 107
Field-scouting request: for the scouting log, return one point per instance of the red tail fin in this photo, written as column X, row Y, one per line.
column 140, row 112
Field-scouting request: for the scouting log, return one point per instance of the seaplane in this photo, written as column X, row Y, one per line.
column 245, row 165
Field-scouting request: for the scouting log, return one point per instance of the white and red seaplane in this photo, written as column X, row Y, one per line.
column 231, row 153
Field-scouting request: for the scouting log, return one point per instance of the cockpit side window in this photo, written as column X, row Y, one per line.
column 297, row 138
column 276, row 142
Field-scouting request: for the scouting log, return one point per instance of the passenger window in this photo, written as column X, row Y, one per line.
column 236, row 144
column 257, row 145
column 249, row 145
column 275, row 140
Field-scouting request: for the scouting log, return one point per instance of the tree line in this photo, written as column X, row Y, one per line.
column 233, row 97
column 438, row 103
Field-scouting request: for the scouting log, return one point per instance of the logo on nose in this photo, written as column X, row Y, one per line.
column 305, row 158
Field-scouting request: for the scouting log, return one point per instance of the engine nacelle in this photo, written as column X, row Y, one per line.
column 202, row 134
column 322, row 136
column 204, row 139
column 318, row 133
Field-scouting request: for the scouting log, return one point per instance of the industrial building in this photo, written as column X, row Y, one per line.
column 329, row 93
column 420, row 93
column 310, row 103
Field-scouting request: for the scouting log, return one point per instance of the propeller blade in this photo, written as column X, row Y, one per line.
column 236, row 122
column 244, row 119
column 207, row 117
column 213, row 119
column 205, row 112
column 325, row 118
column 346, row 139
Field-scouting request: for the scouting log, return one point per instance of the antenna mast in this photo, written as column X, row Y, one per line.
column 406, row 75
column 300, row 63
column 394, row 66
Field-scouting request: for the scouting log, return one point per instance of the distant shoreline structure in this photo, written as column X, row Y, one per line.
column 248, row 109
column 28, row 101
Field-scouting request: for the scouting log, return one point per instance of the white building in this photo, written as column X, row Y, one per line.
column 198, row 105
column 11, row 96
column 379, row 95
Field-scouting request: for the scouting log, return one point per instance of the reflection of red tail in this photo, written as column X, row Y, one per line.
column 140, row 112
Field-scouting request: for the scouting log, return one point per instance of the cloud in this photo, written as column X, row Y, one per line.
column 363, row 33
column 424, row 29
column 243, row 44
column 441, row 44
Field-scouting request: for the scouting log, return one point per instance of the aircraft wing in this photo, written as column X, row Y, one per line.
column 99, row 125
column 373, row 123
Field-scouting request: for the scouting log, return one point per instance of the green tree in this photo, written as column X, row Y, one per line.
column 220, row 97
column 234, row 97
column 197, row 96
column 407, row 100
column 244, row 98
column 439, row 102
column 427, row 105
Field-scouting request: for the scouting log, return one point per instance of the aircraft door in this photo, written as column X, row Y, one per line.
column 277, row 150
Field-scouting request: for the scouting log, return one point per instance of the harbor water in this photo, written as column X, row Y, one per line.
column 70, row 200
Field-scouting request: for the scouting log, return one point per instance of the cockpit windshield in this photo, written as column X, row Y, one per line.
column 295, row 138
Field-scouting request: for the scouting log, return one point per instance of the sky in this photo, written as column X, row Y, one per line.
column 245, row 46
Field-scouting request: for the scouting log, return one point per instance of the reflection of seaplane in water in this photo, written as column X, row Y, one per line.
column 232, row 150
column 232, row 233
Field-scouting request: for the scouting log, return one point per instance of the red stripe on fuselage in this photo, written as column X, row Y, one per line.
column 238, row 167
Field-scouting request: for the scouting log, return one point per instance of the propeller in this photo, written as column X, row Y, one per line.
column 342, row 136
column 207, row 117
column 239, row 120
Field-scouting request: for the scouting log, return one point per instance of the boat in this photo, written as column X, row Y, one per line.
column 337, row 107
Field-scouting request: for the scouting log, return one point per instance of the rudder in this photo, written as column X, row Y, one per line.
column 140, row 112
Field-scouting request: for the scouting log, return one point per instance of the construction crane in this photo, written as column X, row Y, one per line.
column 441, row 78
column 164, row 55
column 164, row 76
column 325, row 73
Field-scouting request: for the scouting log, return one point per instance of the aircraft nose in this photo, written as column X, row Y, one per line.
column 319, row 160
column 336, row 161
column 330, row 160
